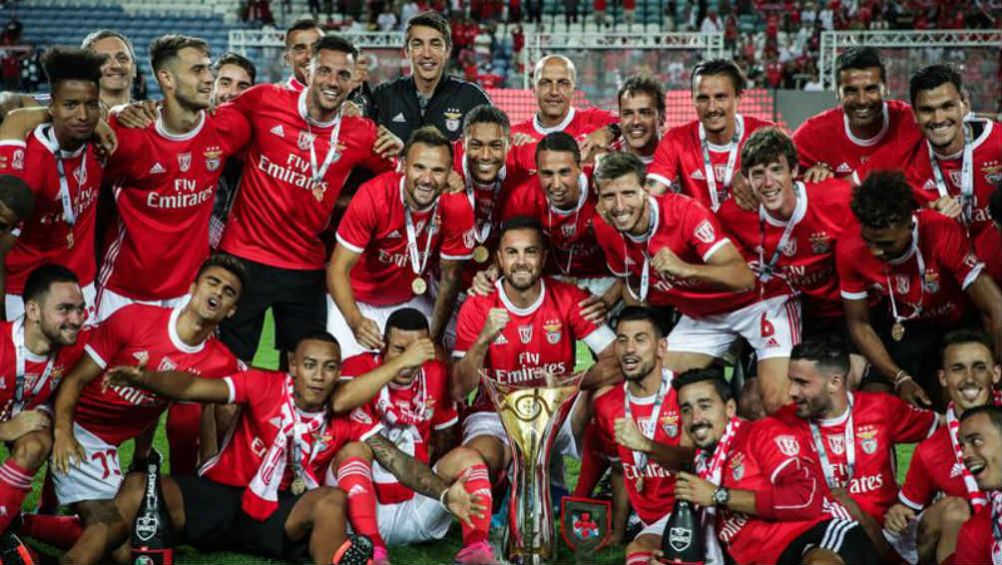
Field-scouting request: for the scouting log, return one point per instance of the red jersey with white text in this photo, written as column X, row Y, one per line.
column 279, row 211
column 38, row 387
column 826, row 138
column 950, row 267
column 537, row 340
column 933, row 469
column 409, row 414
column 374, row 226
column 46, row 236
column 678, row 160
column 578, row 123
column 262, row 395
column 165, row 188
column 142, row 334
column 879, row 421
column 573, row 249
column 807, row 260
column 658, row 495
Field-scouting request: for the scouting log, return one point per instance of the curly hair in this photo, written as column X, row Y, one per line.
column 884, row 199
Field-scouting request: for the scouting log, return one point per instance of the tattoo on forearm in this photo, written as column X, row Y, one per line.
column 411, row 473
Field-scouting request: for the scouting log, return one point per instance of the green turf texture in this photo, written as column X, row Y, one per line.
column 439, row 552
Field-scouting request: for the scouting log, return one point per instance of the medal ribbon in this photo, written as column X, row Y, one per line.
column 645, row 271
column 966, row 177
column 393, row 416
column 766, row 270
column 732, row 157
column 332, row 154
column 314, row 428
column 648, row 428
column 849, row 436
column 483, row 222
column 582, row 198
column 712, row 471
column 17, row 336
column 69, row 215
column 974, row 494
column 418, row 260
column 898, row 318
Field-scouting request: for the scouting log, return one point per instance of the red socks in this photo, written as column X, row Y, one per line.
column 183, row 428
column 638, row 558
column 15, row 484
column 593, row 462
column 355, row 478
column 478, row 484
column 60, row 531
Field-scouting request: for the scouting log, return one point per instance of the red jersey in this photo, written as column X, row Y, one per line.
column 53, row 233
column 879, row 421
column 678, row 160
column 409, row 415
column 988, row 248
column 140, row 333
column 279, row 211
column 165, row 188
column 807, row 260
column 974, row 540
column 262, row 394
column 692, row 232
column 658, row 495
column 827, row 139
column 41, row 374
column 375, row 227
column 538, row 339
column 911, row 156
column 578, row 123
column 933, row 468
column 934, row 296
column 574, row 251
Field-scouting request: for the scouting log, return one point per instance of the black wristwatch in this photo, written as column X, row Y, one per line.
column 721, row 496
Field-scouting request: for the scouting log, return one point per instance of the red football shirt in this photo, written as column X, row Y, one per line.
column 807, row 261
column 658, row 495
column 262, row 395
column 950, row 267
column 933, row 468
column 279, row 212
column 827, row 139
column 573, row 249
column 538, row 339
column 988, row 248
column 692, row 232
column 974, row 540
column 140, row 333
column 578, row 123
column 46, row 236
column 416, row 411
column 165, row 188
column 374, row 226
column 678, row 160
column 36, row 391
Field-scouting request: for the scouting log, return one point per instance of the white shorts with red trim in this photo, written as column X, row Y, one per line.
column 97, row 477
column 338, row 327
column 771, row 326
column 14, row 305
column 111, row 302
column 489, row 424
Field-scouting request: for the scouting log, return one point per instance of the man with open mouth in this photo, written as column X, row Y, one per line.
column 980, row 437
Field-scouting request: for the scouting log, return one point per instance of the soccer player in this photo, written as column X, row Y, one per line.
column 838, row 141
column 916, row 523
column 757, row 485
column 234, row 74
column 409, row 392
column 640, row 418
column 303, row 149
column 298, row 52
column 641, row 115
column 92, row 420
column 701, row 159
column 262, row 493
column 953, row 166
column 921, row 262
column 393, row 227
column 520, row 334
column 61, row 165
column 674, row 247
column 165, row 178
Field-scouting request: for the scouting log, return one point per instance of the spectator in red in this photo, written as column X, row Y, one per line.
column 514, row 11
column 773, row 72
column 772, row 26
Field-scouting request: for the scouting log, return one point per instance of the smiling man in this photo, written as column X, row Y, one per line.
column 299, row 40
column 641, row 115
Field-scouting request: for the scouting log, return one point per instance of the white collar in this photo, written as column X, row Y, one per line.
column 515, row 309
column 304, row 112
column 543, row 130
column 655, row 214
column 46, row 135
column 914, row 246
column 841, row 418
column 582, row 198
column 985, row 133
column 161, row 129
column 798, row 212
column 873, row 140
column 739, row 126
column 176, row 339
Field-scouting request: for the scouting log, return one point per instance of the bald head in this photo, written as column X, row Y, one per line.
column 556, row 61
column 553, row 84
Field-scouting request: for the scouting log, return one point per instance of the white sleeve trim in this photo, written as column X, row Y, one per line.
column 660, row 179
column 716, row 247
column 449, row 424
column 853, row 295
column 772, row 477
column 97, row 358
column 378, row 428
column 232, row 388
column 458, row 354
column 909, row 502
column 599, row 339
column 457, row 257
column 933, row 427
column 969, row 279
column 351, row 247
column 12, row 142
column 855, row 178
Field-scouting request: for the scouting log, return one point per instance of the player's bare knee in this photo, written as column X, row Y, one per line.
column 331, row 503
column 819, row 556
column 352, row 449
column 464, row 458
column 31, row 450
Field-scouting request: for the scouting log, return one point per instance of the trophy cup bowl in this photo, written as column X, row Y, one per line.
column 532, row 417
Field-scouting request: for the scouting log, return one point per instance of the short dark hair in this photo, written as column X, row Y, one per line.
column 430, row 136
column 335, row 43
column 522, row 223
column 40, row 281
column 433, row 20
column 827, row 352
column 993, row 412
column 166, row 47
column 719, row 67
column 765, row 146
column 995, row 204
column 712, row 374
column 487, row 114
column 302, row 24
column 933, row 76
column 859, row 58
column 641, row 314
column 318, row 335
column 884, row 199
column 17, row 195
column 93, row 37
column 61, row 64
column 643, row 84
column 561, row 142
column 619, row 164
column 231, row 58
column 966, row 335
column 230, row 263
column 407, row 319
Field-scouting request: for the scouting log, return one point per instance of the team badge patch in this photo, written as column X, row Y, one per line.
column 790, row 249
column 788, row 445
column 836, row 444
column 213, row 158
column 453, row 119
column 80, row 175
column 525, row 334
column 553, row 333
column 305, row 140
column 930, row 281
column 18, row 161
column 585, row 523
column 902, row 284
column 821, row 243
column 184, row 162
column 868, row 439
column 992, row 171
column 738, row 466
column 704, row 232
column 669, row 424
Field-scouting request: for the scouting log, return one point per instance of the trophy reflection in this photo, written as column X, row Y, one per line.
column 532, row 416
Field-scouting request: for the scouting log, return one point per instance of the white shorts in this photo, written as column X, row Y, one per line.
column 96, row 478
column 14, row 305
column 771, row 326
column 906, row 543
column 592, row 285
column 112, row 301
column 338, row 327
column 489, row 424
column 657, row 528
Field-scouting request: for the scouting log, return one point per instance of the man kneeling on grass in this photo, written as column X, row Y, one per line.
column 261, row 493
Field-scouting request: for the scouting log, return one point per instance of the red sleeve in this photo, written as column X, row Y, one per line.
column 702, row 230
column 919, row 488
column 247, row 101
column 523, row 201
column 957, row 255
column 605, row 441
column 974, row 545
column 582, row 327
column 802, row 141
column 361, row 424
column 234, row 127
column 111, row 336
column 357, row 365
column 852, row 286
column 664, row 169
column 373, row 162
column 360, row 219
column 243, row 383
column 909, row 424
column 468, row 325
column 795, row 492
column 889, row 156
column 446, row 412
column 12, row 157
column 128, row 152
column 457, row 228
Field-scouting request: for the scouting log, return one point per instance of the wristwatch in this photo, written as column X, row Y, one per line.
column 721, row 496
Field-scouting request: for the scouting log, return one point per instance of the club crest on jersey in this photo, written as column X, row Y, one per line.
column 704, row 232
column 184, row 162
column 360, row 416
column 453, row 119
column 80, row 175
column 821, row 243
column 525, row 333
column 18, row 161
column 955, row 177
column 738, row 466
column 902, row 284
column 305, row 140
column 930, row 281
column 868, row 439
column 992, row 171
column 837, row 444
column 552, row 329
column 788, row 445
column 669, row 424
column 213, row 158
column 469, row 238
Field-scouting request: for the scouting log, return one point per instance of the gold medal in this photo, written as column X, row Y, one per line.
column 298, row 486
column 480, row 254
column 69, row 240
column 419, row 286
column 898, row 331
column 640, row 484
column 318, row 190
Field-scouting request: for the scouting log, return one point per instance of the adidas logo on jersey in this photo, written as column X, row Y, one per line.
column 698, row 175
column 395, row 234
column 399, row 118
column 277, row 130
column 843, row 168
column 929, row 185
column 500, row 340
column 156, row 169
